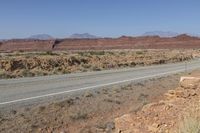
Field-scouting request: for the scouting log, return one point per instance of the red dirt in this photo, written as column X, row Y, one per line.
column 124, row 42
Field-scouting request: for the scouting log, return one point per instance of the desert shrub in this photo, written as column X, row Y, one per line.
column 82, row 53
column 86, row 66
column 122, row 53
column 128, row 87
column 95, row 68
column 16, row 53
column 191, row 121
column 65, row 71
column 190, row 125
column 38, row 72
column 139, row 52
column 14, row 112
column 142, row 97
column 27, row 56
column 66, row 103
column 80, row 115
column 106, row 126
column 112, row 101
column 145, row 51
column 110, row 53
column 17, row 64
column 4, row 74
column 73, row 60
column 41, row 108
column 162, row 61
column 26, row 73
column 88, row 94
column 21, row 51
column 97, row 52
column 133, row 64
column 50, row 53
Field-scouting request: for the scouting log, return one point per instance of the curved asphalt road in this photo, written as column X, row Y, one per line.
column 26, row 90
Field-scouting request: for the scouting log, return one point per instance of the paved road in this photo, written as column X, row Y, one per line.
column 26, row 90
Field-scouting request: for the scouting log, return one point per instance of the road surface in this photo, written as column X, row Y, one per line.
column 27, row 90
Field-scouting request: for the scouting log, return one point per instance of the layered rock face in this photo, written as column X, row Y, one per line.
column 26, row 45
column 166, row 115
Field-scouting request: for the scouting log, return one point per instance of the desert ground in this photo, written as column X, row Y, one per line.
column 154, row 105
column 29, row 64
column 100, row 66
column 117, row 108
column 89, row 111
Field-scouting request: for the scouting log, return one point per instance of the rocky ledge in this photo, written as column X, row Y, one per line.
column 167, row 115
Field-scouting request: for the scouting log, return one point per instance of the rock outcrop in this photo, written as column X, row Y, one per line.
column 163, row 116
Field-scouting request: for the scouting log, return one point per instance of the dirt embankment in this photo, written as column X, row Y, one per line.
column 38, row 64
column 124, row 42
column 178, row 112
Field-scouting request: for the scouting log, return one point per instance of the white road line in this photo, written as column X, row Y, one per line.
column 90, row 87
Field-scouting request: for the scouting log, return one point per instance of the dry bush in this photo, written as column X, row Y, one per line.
column 2, row 72
column 80, row 115
column 139, row 52
column 191, row 121
column 112, row 101
column 87, row 94
column 97, row 52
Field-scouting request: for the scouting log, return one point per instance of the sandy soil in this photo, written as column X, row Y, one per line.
column 88, row 112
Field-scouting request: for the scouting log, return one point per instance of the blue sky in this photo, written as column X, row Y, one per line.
column 111, row 18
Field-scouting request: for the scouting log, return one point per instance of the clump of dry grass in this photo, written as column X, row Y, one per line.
column 87, row 94
column 80, row 115
column 191, row 120
column 4, row 74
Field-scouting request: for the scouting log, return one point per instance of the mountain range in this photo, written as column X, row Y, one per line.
column 90, row 36
column 161, row 33
column 41, row 37
column 84, row 35
column 49, row 37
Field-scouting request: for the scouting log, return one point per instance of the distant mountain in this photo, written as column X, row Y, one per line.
column 193, row 35
column 84, row 35
column 161, row 33
column 41, row 37
column 1, row 40
column 186, row 37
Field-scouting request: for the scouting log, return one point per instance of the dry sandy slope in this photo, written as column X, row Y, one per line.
column 166, row 116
